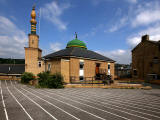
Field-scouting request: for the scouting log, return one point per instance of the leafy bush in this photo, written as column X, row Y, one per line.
column 26, row 77
column 50, row 81
column 43, row 79
column 56, row 81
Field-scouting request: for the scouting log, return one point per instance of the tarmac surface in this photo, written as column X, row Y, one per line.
column 22, row 102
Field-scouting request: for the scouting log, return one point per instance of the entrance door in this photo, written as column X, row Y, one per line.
column 97, row 70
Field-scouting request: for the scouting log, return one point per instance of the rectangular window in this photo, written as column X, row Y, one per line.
column 49, row 67
column 39, row 64
column 81, row 69
column 109, row 66
column 81, row 65
column 109, row 69
column 81, row 78
column 135, row 72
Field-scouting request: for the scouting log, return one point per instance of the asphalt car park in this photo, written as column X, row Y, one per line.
column 23, row 102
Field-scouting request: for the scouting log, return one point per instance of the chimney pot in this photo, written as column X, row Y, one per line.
column 145, row 37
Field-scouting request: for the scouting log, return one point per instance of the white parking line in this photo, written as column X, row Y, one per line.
column 55, row 106
column 119, row 102
column 37, row 104
column 115, row 100
column 18, row 102
column 84, row 104
column 103, row 106
column 89, row 100
column 4, row 107
column 67, row 104
column 137, row 100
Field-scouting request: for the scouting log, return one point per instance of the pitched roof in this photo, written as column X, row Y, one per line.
column 78, row 52
column 150, row 41
column 12, row 68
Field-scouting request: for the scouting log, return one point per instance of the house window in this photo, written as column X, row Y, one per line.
column 49, row 67
column 155, row 60
column 81, row 78
column 32, row 41
column 109, row 69
column 39, row 64
column 81, row 65
column 135, row 72
column 109, row 66
column 81, row 69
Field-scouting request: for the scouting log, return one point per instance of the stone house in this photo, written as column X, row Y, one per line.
column 146, row 59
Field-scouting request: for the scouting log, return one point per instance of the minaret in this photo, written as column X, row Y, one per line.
column 33, row 21
column 33, row 37
column 33, row 60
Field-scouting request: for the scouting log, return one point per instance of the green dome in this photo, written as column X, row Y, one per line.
column 76, row 43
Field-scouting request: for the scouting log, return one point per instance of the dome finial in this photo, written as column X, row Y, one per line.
column 76, row 35
column 34, row 6
column 33, row 20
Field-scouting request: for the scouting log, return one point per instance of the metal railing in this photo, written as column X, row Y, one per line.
column 90, row 80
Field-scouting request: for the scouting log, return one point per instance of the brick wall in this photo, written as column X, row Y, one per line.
column 55, row 65
column 142, row 59
column 9, row 77
column 65, row 70
column 31, row 61
column 33, row 40
column 112, row 70
column 89, row 68
column 74, row 67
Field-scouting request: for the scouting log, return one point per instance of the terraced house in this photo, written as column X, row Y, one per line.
column 146, row 59
column 75, row 62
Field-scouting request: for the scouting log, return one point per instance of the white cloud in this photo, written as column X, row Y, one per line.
column 12, row 39
column 146, row 13
column 132, row 1
column 142, row 14
column 122, row 22
column 154, row 33
column 55, row 46
column 146, row 17
column 96, row 2
column 52, row 12
column 119, row 55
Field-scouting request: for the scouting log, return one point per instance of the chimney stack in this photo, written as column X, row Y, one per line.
column 145, row 38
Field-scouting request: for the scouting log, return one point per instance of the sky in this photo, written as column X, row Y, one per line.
column 110, row 27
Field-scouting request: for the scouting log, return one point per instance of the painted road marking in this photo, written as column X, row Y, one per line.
column 121, row 102
column 89, row 106
column 69, row 105
column 112, row 105
column 18, row 102
column 37, row 104
column 101, row 105
column 55, row 106
column 4, row 106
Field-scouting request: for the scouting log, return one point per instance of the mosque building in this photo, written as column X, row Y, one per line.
column 75, row 62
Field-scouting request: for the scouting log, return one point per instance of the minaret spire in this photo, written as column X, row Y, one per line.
column 76, row 35
column 33, row 20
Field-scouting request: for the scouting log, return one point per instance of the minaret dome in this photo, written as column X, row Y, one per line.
column 33, row 21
